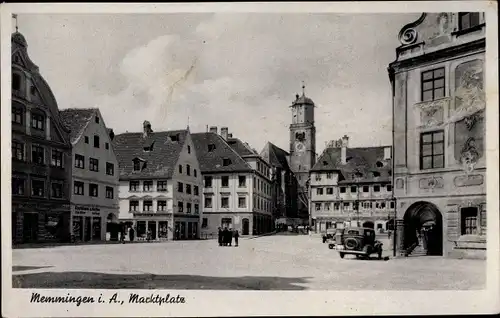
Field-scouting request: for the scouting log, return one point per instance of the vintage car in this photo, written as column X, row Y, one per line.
column 328, row 235
column 359, row 241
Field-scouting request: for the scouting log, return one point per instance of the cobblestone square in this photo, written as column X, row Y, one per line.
column 264, row 263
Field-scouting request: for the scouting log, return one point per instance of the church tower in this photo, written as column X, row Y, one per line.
column 302, row 137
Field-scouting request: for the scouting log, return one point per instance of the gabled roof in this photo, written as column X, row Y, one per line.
column 159, row 162
column 241, row 148
column 76, row 120
column 275, row 156
column 364, row 162
column 211, row 161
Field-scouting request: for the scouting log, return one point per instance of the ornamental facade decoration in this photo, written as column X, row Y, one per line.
column 408, row 35
column 432, row 112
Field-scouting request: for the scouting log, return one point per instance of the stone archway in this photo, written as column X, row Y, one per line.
column 423, row 226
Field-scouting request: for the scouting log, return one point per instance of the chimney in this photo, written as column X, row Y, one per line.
column 146, row 128
column 213, row 129
column 387, row 153
column 111, row 134
column 229, row 135
column 224, row 132
column 343, row 150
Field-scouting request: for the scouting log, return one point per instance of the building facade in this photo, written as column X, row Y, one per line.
column 302, row 148
column 236, row 190
column 41, row 155
column 94, row 197
column 160, row 184
column 439, row 135
column 352, row 186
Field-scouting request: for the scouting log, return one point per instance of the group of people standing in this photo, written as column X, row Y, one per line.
column 226, row 237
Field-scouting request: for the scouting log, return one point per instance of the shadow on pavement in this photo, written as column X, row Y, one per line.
column 89, row 280
column 26, row 268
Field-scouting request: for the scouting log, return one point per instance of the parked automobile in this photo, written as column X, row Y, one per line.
column 329, row 235
column 359, row 241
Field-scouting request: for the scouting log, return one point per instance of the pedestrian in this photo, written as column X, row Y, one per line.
column 236, row 236
column 122, row 237
column 224, row 237
column 230, row 237
column 220, row 237
column 389, row 234
column 148, row 235
column 132, row 234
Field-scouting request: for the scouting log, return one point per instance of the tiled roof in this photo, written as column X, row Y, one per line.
column 241, row 148
column 76, row 120
column 367, row 163
column 275, row 156
column 159, row 162
column 211, row 161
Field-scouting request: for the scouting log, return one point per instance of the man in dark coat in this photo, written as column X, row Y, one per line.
column 220, row 237
column 230, row 237
column 236, row 236
column 224, row 236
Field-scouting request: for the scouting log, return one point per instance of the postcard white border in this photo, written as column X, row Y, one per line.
column 243, row 303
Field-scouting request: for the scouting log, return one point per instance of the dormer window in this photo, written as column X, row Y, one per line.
column 376, row 174
column 96, row 119
column 325, row 163
column 174, row 137
column 211, row 147
column 226, row 162
column 137, row 165
column 149, row 148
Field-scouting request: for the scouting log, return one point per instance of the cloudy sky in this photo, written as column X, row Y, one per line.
column 225, row 69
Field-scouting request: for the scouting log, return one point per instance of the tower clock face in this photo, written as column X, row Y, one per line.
column 300, row 147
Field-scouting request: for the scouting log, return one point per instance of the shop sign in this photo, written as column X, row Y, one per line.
column 86, row 209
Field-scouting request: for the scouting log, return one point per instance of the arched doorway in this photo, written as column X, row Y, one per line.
column 423, row 225
column 246, row 227
column 369, row 224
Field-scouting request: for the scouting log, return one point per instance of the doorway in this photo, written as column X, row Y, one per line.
column 246, row 227
column 423, row 226
column 30, row 227
column 88, row 229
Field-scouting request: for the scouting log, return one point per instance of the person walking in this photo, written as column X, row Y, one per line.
column 230, row 237
column 224, row 237
column 131, row 234
column 220, row 236
column 236, row 236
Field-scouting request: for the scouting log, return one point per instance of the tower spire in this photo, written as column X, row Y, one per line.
column 303, row 89
column 14, row 16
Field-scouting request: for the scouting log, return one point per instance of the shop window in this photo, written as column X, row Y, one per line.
column 469, row 220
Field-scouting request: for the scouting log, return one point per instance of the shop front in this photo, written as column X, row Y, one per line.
column 157, row 227
column 89, row 223
column 187, row 227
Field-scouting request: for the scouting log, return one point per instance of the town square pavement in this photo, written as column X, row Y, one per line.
column 278, row 262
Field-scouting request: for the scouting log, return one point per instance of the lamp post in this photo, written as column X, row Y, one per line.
column 357, row 179
column 394, row 241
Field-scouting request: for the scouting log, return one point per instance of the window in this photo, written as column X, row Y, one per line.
column 242, row 181
column 110, row 168
column 195, row 173
column 376, row 188
column 147, row 185
column 96, row 141
column 180, row 168
column 56, row 190
column 318, row 206
column 469, row 220
column 188, row 207
column 366, row 188
column 147, row 206
column 78, row 188
column 161, row 186
column 37, row 188
column 318, row 177
column 226, row 162
column 96, row 119
column 208, row 182
column 134, row 186
column 188, row 189
column 86, row 139
column 211, row 147
column 180, row 207
column 225, row 181
column 346, row 205
column 93, row 190
column 17, row 150
column 134, row 205
column 16, row 82
column 379, row 164
column 353, row 189
column 93, row 164
column 57, row 158
column 336, row 206
column 162, row 205
column 342, row 189
column 37, row 121
column 432, row 84
column 188, row 170
column 392, row 205
column 37, row 155
column 432, row 150
column 189, row 149
column 196, row 191
column 329, row 175
column 376, row 174
column 242, row 202
column 329, row 190
column 196, row 209
column 328, row 206
column 18, row 186
column 109, row 192
column 208, row 202
column 366, row 205
column 224, row 202
column 388, row 188
column 137, row 165
column 180, row 187
column 106, row 145
column 79, row 161
column 467, row 20
column 17, row 115
column 174, row 137
column 204, row 223
column 319, row 191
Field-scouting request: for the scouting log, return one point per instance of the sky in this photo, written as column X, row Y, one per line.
column 235, row 70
